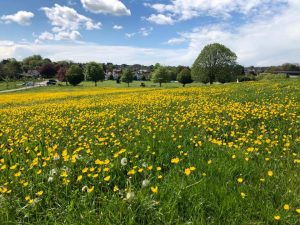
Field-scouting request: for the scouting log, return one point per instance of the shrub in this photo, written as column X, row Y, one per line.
column 75, row 75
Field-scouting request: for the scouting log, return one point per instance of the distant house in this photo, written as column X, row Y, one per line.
column 144, row 73
column 31, row 74
column 117, row 73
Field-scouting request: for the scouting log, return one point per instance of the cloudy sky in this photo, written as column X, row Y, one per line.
column 172, row 32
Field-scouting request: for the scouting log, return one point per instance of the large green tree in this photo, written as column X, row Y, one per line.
column 160, row 74
column 214, row 64
column 184, row 77
column 75, row 75
column 33, row 62
column 10, row 70
column 94, row 72
column 127, row 76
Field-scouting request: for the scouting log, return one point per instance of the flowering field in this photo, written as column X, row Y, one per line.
column 225, row 154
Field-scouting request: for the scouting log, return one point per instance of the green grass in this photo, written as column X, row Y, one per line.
column 10, row 85
column 245, row 129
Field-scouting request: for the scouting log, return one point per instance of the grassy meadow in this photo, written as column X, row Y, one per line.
column 211, row 154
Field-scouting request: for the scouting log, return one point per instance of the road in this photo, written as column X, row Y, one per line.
column 40, row 84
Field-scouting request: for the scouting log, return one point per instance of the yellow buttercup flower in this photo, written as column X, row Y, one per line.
column 240, row 180
column 270, row 173
column 107, row 178
column 277, row 217
column 154, row 189
column 175, row 160
column 187, row 171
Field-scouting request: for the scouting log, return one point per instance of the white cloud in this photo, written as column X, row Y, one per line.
column 46, row 36
column 66, row 18
column 161, row 19
column 176, row 41
column 22, row 17
column 66, row 22
column 145, row 32
column 130, row 35
column 113, row 7
column 180, row 10
column 117, row 27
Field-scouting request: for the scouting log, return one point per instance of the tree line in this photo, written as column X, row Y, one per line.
column 215, row 63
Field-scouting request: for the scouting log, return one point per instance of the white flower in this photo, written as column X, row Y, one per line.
column 124, row 161
column 50, row 179
column 130, row 195
column 53, row 172
column 144, row 165
column 56, row 158
column 145, row 183
column 84, row 188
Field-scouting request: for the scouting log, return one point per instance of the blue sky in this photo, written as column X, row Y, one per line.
column 172, row 32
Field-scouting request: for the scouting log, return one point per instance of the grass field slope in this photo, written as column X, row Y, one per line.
column 219, row 154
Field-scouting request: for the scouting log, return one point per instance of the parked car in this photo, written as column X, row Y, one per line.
column 26, row 84
column 51, row 82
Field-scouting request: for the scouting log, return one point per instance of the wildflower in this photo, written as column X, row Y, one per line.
column 17, row 174
column 107, row 178
column 159, row 177
column 145, row 183
column 286, row 207
column 66, row 181
column 13, row 167
column 50, row 179
column 298, row 211
column 158, row 168
column 89, row 190
column 209, row 162
column 79, row 178
column 124, row 161
column 243, row 195
column 64, row 174
column 187, row 171
column 154, row 189
column 84, row 188
column 277, row 217
column 131, row 172
column 240, row 180
column 192, row 168
column 53, row 172
column 40, row 193
column 84, row 170
column 130, row 195
column 116, row 188
column 175, row 160
column 270, row 173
